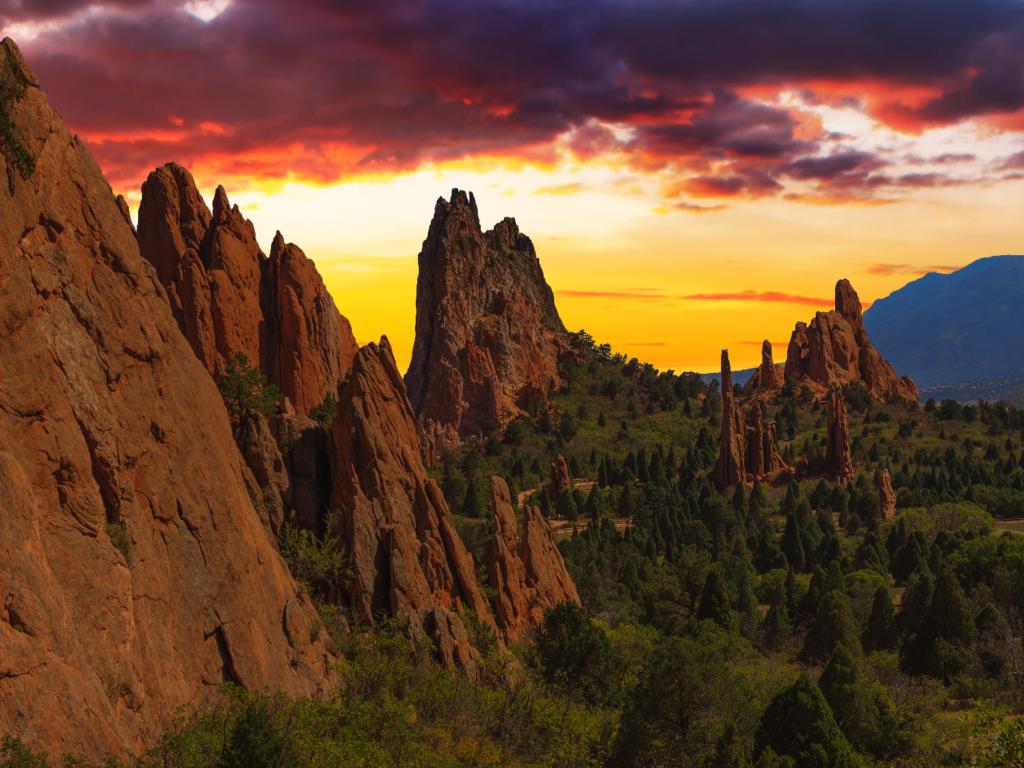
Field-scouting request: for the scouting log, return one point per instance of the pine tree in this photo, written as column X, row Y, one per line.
column 714, row 601
column 878, row 634
column 798, row 724
column 833, row 625
column 474, row 503
column 729, row 751
column 777, row 626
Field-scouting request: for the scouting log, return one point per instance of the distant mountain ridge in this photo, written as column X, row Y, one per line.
column 965, row 326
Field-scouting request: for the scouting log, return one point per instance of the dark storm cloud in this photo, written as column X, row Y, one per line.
column 270, row 85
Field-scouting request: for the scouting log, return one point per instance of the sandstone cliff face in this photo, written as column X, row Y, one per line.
column 730, row 468
column 488, row 336
column 527, row 574
column 835, row 350
column 407, row 557
column 886, row 494
column 136, row 574
column 229, row 298
column 839, row 459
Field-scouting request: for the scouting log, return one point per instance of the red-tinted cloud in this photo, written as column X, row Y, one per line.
column 322, row 89
column 916, row 270
column 775, row 297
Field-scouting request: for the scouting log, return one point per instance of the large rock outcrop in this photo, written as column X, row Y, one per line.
column 527, row 573
column 730, row 468
column 407, row 557
column 838, row 458
column 488, row 336
column 229, row 298
column 137, row 576
column 834, row 350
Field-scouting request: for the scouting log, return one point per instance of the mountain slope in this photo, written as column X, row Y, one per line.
column 964, row 326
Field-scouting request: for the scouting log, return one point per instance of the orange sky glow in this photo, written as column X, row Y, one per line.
column 694, row 175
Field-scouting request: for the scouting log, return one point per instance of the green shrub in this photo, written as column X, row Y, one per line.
column 245, row 389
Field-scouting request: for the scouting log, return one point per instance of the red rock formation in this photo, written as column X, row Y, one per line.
column 259, row 449
column 730, row 468
column 488, row 336
column 407, row 557
column 527, row 575
column 768, row 375
column 886, row 494
column 136, row 576
column 763, row 458
column 839, row 459
column 308, row 345
column 835, row 350
column 559, row 479
column 229, row 298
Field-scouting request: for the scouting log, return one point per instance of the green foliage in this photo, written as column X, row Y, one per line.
column 118, row 535
column 833, row 626
column 324, row 413
column 575, row 654
column 799, row 724
column 14, row 754
column 258, row 739
column 12, row 88
column 714, row 601
column 321, row 564
column 862, row 709
column 245, row 389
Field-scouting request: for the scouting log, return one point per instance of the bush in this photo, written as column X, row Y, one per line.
column 245, row 389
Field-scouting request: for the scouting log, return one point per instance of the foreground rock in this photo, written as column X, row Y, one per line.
column 527, row 574
column 137, row 577
column 763, row 458
column 488, row 336
column 229, row 298
column 834, row 350
column 407, row 557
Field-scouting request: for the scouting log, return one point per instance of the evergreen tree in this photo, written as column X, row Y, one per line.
column 878, row 633
column 257, row 741
column 833, row 625
column 862, row 709
column 729, row 750
column 777, row 626
column 798, row 724
column 474, row 503
column 714, row 601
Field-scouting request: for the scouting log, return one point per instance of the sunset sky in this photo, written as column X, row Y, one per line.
column 695, row 174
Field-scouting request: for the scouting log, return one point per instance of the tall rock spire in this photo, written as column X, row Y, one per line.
column 488, row 336
column 730, row 468
column 839, row 459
